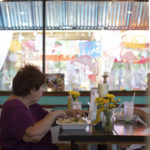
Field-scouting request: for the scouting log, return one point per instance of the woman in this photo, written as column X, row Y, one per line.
column 24, row 125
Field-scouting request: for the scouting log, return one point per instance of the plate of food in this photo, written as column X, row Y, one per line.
column 72, row 123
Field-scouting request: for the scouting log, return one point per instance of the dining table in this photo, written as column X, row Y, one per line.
column 123, row 133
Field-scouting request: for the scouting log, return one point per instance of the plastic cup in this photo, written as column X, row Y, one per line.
column 77, row 105
column 128, row 111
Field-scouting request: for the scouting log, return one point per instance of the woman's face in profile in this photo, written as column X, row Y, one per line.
column 36, row 94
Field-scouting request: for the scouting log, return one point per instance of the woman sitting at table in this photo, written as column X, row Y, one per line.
column 24, row 124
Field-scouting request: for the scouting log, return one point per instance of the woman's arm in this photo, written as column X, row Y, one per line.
column 36, row 132
column 141, row 113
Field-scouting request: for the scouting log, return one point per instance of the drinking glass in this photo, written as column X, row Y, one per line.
column 128, row 111
column 77, row 105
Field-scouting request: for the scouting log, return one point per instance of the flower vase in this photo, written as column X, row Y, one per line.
column 108, row 124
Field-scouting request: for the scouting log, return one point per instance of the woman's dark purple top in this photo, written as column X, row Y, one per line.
column 15, row 119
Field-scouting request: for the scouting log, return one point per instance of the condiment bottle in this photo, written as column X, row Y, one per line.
column 69, row 102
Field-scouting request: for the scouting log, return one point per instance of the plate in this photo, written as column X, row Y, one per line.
column 72, row 123
column 70, row 126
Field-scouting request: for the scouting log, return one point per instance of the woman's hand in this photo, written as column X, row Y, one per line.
column 76, row 112
column 58, row 113
column 141, row 113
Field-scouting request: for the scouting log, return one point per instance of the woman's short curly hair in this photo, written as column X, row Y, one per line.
column 27, row 78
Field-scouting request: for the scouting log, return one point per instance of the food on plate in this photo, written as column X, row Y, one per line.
column 71, row 120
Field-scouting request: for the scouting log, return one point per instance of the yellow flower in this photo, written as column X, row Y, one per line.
column 111, row 96
column 74, row 94
column 106, row 103
column 102, row 109
column 97, row 100
column 113, row 101
column 112, row 106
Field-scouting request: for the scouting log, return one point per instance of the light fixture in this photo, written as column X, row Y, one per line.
column 22, row 13
column 129, row 12
column 24, row 24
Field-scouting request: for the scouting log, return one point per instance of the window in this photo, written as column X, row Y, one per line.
column 123, row 54
column 79, row 53
column 18, row 44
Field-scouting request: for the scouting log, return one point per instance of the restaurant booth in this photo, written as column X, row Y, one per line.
column 75, row 43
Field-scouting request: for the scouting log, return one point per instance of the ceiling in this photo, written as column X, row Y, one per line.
column 75, row 15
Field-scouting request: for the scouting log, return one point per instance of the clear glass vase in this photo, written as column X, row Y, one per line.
column 108, row 123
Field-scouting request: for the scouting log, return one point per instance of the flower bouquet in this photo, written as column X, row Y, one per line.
column 74, row 100
column 74, row 95
column 105, row 105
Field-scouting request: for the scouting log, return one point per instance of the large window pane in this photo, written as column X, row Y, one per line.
column 17, row 49
column 20, row 44
column 84, row 56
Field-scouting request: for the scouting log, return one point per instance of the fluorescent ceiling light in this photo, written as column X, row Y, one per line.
column 24, row 24
column 129, row 12
column 22, row 13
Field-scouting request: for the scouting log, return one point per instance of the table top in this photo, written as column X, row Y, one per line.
column 134, row 133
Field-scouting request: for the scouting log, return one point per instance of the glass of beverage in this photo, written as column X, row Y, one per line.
column 77, row 105
column 128, row 111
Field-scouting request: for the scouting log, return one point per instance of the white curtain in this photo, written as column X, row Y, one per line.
column 5, row 39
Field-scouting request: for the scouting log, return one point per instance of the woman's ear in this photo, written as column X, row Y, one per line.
column 32, row 91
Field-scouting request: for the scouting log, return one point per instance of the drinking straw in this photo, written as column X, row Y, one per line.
column 118, row 108
column 133, row 97
column 115, row 131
